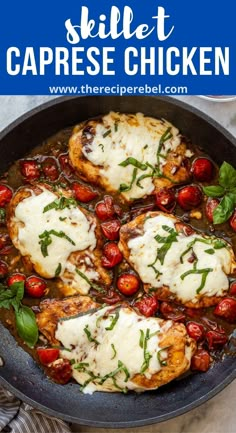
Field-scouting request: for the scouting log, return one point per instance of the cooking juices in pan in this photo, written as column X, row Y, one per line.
column 194, row 203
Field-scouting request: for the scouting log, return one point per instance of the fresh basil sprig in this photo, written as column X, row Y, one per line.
column 226, row 190
column 25, row 319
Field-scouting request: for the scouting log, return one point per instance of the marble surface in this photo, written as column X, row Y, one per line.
column 219, row 414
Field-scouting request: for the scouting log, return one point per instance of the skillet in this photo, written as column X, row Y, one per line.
column 20, row 373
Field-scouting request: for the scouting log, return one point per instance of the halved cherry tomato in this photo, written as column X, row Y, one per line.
column 148, row 305
column 65, row 165
column 30, row 169
column 47, row 355
column 5, row 195
column 112, row 255
column 184, row 228
column 83, row 193
column 232, row 221
column 189, row 197
column 201, row 360
column 203, row 170
column 216, row 340
column 3, row 269
column 195, row 330
column 128, row 284
column 211, row 204
column 35, row 286
column 111, row 298
column 15, row 278
column 105, row 209
column 232, row 290
column 170, row 312
column 50, row 168
column 111, row 229
column 165, row 200
column 60, row 370
column 226, row 309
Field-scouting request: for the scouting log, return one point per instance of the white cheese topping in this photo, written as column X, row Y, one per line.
column 108, row 350
column 78, row 233
column 122, row 136
column 212, row 263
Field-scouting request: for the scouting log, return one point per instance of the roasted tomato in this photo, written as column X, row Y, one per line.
column 211, row 204
column 4, row 240
column 189, row 197
column 5, row 195
column 111, row 298
column 195, row 330
column 60, row 370
column 165, row 200
column 83, row 193
column 232, row 290
column 3, row 269
column 170, row 312
column 105, row 209
column 148, row 305
column 111, row 255
column 203, row 170
column 111, row 229
column 50, row 168
column 30, row 169
column 226, row 309
column 35, row 286
column 128, row 284
column 47, row 355
column 216, row 340
column 232, row 221
column 15, row 278
column 201, row 360
column 65, row 164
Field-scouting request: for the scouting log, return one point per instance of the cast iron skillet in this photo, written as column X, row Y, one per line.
column 20, row 374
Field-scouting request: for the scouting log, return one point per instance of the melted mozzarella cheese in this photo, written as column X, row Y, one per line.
column 143, row 253
column 99, row 351
column 137, row 137
column 32, row 222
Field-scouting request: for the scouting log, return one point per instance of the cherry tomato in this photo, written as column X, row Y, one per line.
column 211, row 204
column 165, row 200
column 112, row 255
column 216, row 340
column 60, row 370
column 65, row 165
column 195, row 330
column 47, row 355
column 30, row 169
column 83, row 193
column 232, row 290
column 4, row 240
column 15, row 278
column 111, row 298
column 111, row 229
column 35, row 286
column 232, row 221
column 171, row 313
column 128, row 284
column 201, row 360
column 50, row 168
column 226, row 309
column 5, row 195
column 203, row 170
column 148, row 305
column 189, row 197
column 3, row 269
column 105, row 209
column 184, row 228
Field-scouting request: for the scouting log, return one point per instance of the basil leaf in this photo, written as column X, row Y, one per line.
column 227, row 176
column 26, row 325
column 224, row 210
column 134, row 162
column 213, row 191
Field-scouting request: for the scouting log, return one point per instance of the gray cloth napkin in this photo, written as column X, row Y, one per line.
column 18, row 417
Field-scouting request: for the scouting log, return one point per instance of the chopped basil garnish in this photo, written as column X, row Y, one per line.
column 60, row 204
column 93, row 285
column 167, row 242
column 81, row 366
column 210, row 251
column 58, row 270
column 106, row 133
column 203, row 272
column 62, row 219
column 163, row 362
column 55, row 346
column 2, row 215
column 143, row 344
column 121, row 367
column 46, row 240
column 89, row 336
column 215, row 243
column 134, row 162
column 114, row 351
column 123, row 187
column 114, row 320
column 145, row 147
column 102, row 146
column 116, row 125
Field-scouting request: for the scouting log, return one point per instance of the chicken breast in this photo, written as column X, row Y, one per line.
column 177, row 262
column 115, row 349
column 130, row 153
column 59, row 238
